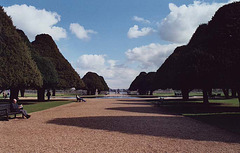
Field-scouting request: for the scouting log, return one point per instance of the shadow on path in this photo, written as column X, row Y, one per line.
column 215, row 114
column 170, row 127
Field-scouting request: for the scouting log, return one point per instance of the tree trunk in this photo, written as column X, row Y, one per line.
column 205, row 96
column 53, row 92
column 142, row 92
column 210, row 93
column 185, row 94
column 41, row 94
column 234, row 93
column 238, row 93
column 14, row 93
column 226, row 93
column 151, row 92
column 22, row 91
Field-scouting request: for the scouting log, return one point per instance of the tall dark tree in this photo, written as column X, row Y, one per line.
column 17, row 69
column 46, row 67
column 150, row 81
column 105, row 86
column 211, row 58
column 94, row 82
column 139, row 84
column 143, row 83
column 67, row 76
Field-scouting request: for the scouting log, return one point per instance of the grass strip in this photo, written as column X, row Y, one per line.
column 39, row 106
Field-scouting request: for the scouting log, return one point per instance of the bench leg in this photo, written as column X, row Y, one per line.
column 7, row 117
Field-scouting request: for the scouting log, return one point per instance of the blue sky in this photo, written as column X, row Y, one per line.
column 116, row 39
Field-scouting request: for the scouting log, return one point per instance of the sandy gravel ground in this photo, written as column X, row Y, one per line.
column 112, row 125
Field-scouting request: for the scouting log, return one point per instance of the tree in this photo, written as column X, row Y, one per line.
column 46, row 67
column 17, row 69
column 150, row 81
column 94, row 82
column 105, row 86
column 210, row 59
column 139, row 84
column 67, row 76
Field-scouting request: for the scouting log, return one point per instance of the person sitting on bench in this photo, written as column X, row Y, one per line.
column 19, row 108
column 79, row 99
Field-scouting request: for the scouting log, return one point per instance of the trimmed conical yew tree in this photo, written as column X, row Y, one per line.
column 17, row 69
column 46, row 67
column 67, row 76
column 93, row 81
column 105, row 86
column 210, row 60
column 139, row 84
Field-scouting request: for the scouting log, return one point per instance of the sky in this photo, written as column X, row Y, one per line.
column 115, row 39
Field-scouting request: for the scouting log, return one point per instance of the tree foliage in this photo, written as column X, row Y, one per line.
column 105, row 86
column 67, row 76
column 210, row 59
column 93, row 81
column 143, row 83
column 17, row 69
column 44, row 64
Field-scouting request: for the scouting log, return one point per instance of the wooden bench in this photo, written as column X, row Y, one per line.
column 5, row 111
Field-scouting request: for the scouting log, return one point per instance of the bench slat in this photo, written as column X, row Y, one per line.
column 5, row 110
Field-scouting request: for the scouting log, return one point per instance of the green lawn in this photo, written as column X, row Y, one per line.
column 163, row 94
column 39, row 106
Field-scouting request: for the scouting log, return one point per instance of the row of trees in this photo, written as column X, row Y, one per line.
column 210, row 60
column 34, row 65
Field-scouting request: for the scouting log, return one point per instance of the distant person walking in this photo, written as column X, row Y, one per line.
column 48, row 94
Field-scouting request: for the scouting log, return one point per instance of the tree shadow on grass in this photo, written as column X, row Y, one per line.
column 215, row 114
column 176, row 107
column 159, row 126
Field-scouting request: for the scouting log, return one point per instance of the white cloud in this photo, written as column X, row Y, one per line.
column 182, row 21
column 34, row 21
column 91, row 61
column 135, row 32
column 80, row 31
column 116, row 76
column 150, row 56
column 142, row 20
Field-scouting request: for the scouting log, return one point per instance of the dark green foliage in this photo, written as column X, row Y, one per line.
column 143, row 83
column 93, row 81
column 138, row 84
column 150, row 81
column 46, row 67
column 210, row 60
column 67, row 76
column 17, row 69
column 105, row 86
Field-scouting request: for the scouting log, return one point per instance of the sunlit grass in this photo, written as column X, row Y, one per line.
column 39, row 106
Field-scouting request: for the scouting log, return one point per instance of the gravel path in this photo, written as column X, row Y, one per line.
column 112, row 125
